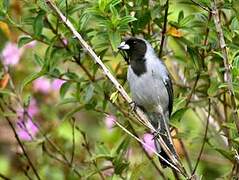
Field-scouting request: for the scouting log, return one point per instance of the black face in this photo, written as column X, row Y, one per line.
column 135, row 51
column 134, row 47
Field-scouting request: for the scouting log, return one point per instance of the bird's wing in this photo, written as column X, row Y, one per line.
column 169, row 86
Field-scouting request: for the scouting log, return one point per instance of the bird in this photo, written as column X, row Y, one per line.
column 150, row 86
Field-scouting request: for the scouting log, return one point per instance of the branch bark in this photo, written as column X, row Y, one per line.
column 227, row 73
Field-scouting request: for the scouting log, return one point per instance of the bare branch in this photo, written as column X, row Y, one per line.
column 227, row 73
column 164, row 28
column 204, row 138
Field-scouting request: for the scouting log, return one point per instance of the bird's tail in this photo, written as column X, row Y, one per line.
column 162, row 125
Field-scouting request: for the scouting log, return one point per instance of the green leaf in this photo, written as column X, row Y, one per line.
column 115, row 40
column 64, row 88
column 114, row 96
column 24, row 40
column 39, row 61
column 5, row 6
column 126, row 19
column 38, row 23
column 89, row 93
column 227, row 154
column 214, row 86
column 30, row 78
column 180, row 16
column 177, row 116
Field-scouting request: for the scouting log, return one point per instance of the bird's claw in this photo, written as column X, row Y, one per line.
column 157, row 133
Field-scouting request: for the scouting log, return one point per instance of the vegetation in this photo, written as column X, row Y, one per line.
column 62, row 118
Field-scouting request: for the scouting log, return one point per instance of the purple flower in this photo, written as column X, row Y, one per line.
column 30, row 45
column 57, row 83
column 65, row 41
column 33, row 108
column 26, row 130
column 11, row 54
column 42, row 85
column 148, row 139
column 110, row 121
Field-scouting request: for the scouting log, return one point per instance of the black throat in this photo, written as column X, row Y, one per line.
column 138, row 65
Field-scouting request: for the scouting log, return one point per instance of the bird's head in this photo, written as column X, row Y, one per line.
column 132, row 48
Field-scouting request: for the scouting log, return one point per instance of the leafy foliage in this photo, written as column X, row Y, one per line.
column 72, row 135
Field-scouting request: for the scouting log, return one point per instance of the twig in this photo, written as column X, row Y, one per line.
column 21, row 145
column 138, row 113
column 193, row 89
column 204, row 138
column 164, row 28
column 185, row 152
column 4, row 177
column 227, row 73
column 87, row 147
column 201, row 6
column 73, row 140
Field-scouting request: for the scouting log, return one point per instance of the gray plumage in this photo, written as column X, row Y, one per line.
column 150, row 85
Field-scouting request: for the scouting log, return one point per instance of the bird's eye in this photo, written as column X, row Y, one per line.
column 134, row 42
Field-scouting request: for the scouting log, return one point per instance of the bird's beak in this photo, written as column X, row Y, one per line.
column 123, row 46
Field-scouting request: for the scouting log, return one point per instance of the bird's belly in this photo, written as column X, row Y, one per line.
column 148, row 92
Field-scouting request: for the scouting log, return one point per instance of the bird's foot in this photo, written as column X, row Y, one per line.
column 157, row 133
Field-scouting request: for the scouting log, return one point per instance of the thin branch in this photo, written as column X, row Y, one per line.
column 201, row 6
column 193, row 89
column 185, row 152
column 204, row 138
column 87, row 147
column 138, row 113
column 164, row 28
column 73, row 140
column 4, row 177
column 227, row 73
column 21, row 144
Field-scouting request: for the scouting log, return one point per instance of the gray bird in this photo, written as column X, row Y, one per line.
column 150, row 86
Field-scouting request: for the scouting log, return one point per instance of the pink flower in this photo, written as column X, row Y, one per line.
column 57, row 83
column 110, row 121
column 33, row 108
column 26, row 130
column 148, row 139
column 65, row 41
column 42, row 85
column 30, row 45
column 110, row 171
column 11, row 54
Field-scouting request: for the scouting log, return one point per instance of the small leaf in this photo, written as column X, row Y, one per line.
column 89, row 93
column 180, row 16
column 38, row 23
column 114, row 96
column 24, row 40
column 214, row 86
column 174, row 32
column 4, row 81
column 114, row 40
column 31, row 78
column 177, row 116
column 64, row 88
column 5, row 28
column 39, row 61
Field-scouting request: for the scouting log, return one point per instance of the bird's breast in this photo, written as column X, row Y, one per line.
column 147, row 90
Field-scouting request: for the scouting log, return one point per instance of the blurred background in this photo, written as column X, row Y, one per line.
column 58, row 110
